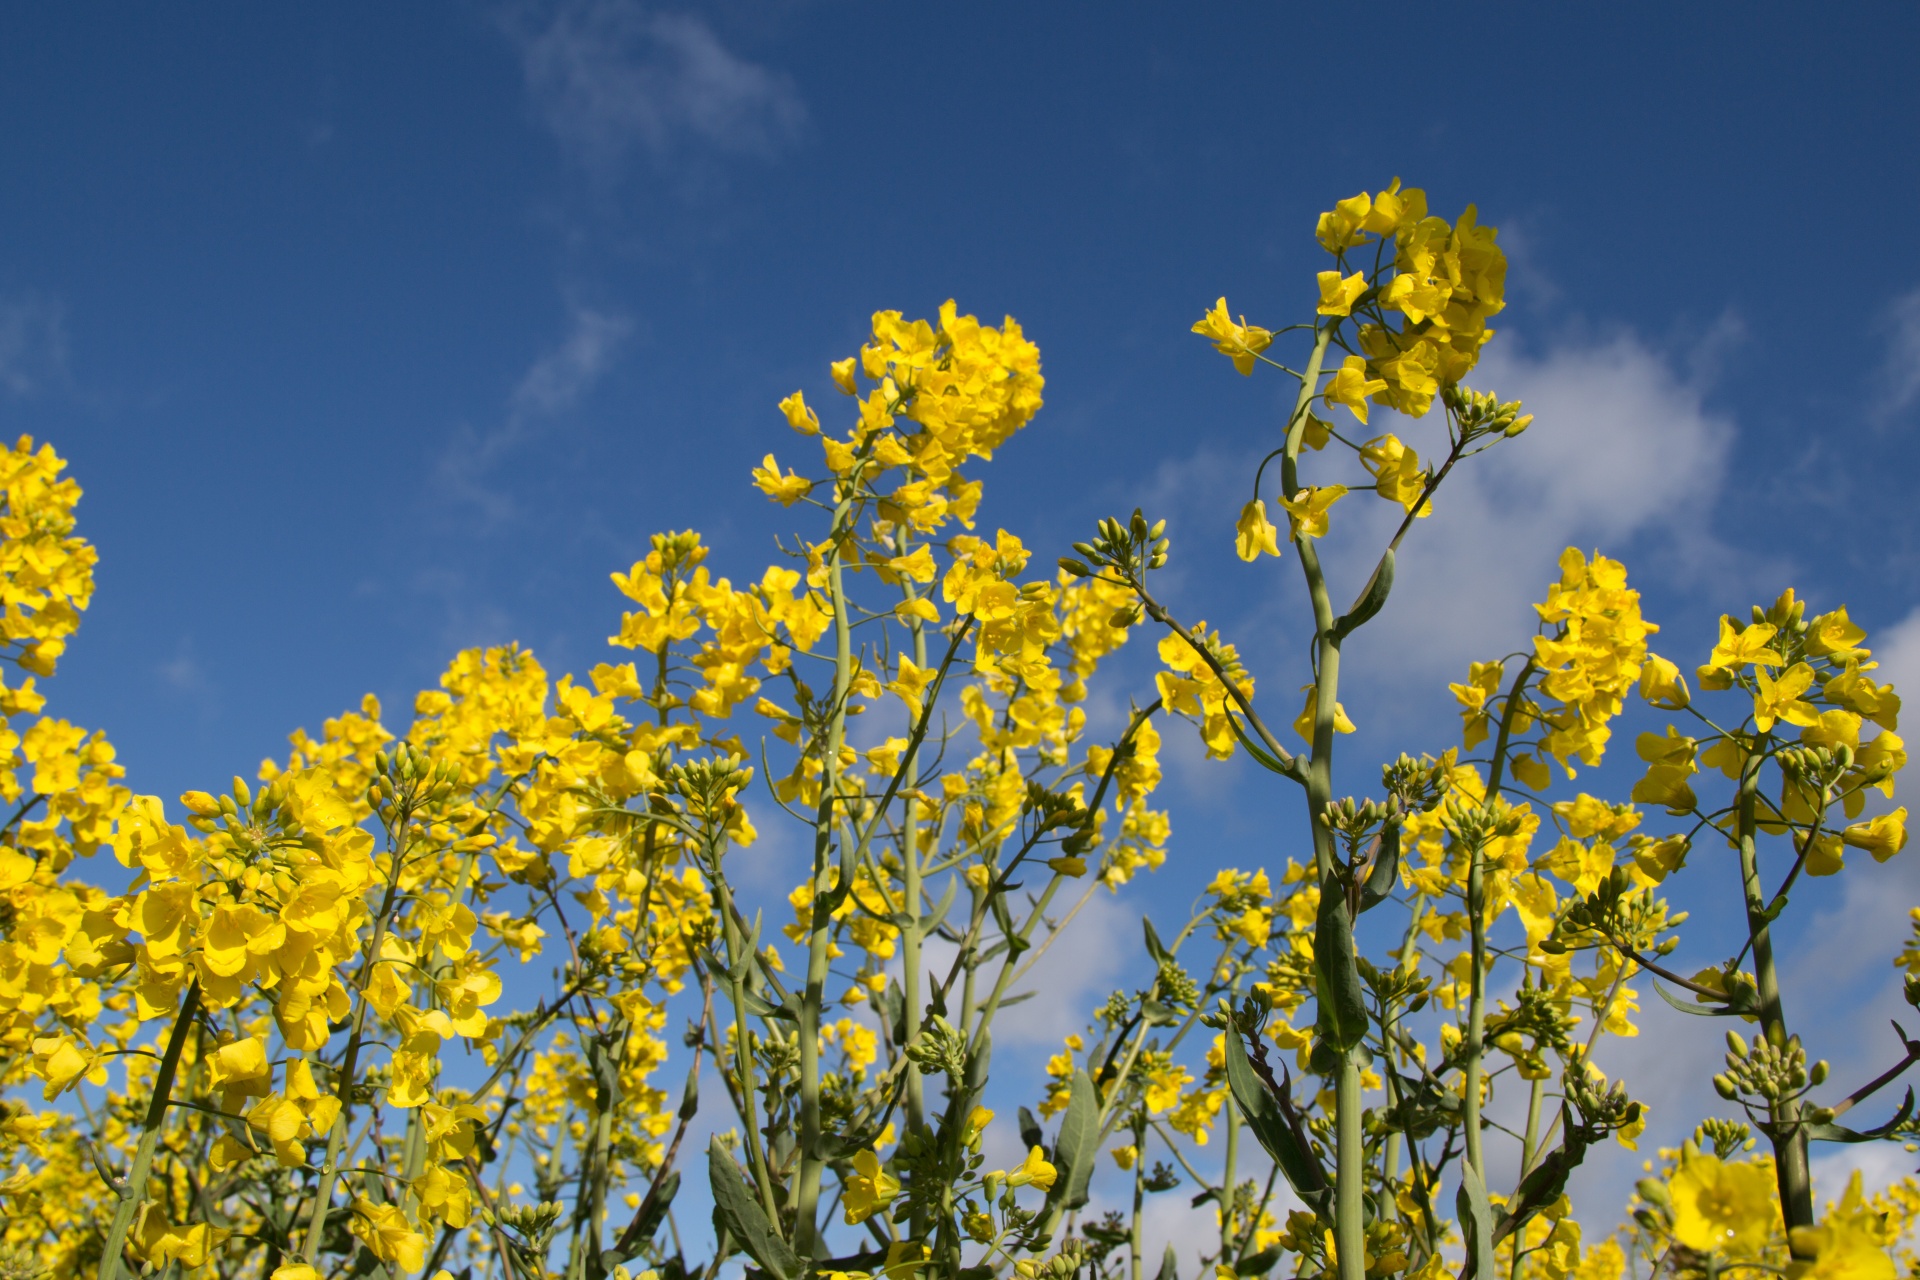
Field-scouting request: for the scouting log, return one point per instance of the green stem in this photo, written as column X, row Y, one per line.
column 806, row 1198
column 134, row 1194
column 1788, row 1138
column 1349, row 1226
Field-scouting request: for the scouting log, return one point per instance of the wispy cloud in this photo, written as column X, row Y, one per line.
column 554, row 384
column 614, row 76
column 1900, row 370
column 33, row 345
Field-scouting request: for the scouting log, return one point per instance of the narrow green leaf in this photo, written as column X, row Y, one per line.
column 1476, row 1221
column 1155, row 948
column 736, row 1209
column 1270, row 1126
column 1078, row 1146
column 1702, row 1010
column 1385, row 873
column 1342, row 1022
column 1169, row 1266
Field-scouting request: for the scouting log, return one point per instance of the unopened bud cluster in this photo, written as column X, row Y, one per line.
column 1130, row 549
column 1772, row 1073
column 1481, row 413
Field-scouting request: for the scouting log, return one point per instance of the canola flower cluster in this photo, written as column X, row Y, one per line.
column 413, row 1001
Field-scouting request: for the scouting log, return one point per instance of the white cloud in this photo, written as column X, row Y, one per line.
column 609, row 76
column 1900, row 372
column 33, row 345
column 1897, row 649
column 1623, row 457
column 552, row 385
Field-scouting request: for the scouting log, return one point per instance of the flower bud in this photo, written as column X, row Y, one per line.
column 200, row 804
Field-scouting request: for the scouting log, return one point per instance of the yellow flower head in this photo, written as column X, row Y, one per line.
column 1727, row 1207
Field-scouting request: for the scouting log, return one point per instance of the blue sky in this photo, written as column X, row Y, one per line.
column 374, row 332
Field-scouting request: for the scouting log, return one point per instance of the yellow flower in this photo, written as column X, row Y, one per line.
column 1307, row 510
column 1834, row 634
column 842, row 371
column 1034, row 1169
column 977, row 1121
column 1241, row 342
column 799, row 416
column 1303, row 723
column 868, row 1189
column 1662, row 684
column 1344, row 225
column 383, row 1229
column 1722, row 1206
column 785, row 490
column 1882, row 837
column 1125, row 1156
column 1397, row 474
column 1739, row 647
column 1337, row 296
column 1257, row 536
column 1351, row 386
column 1779, row 698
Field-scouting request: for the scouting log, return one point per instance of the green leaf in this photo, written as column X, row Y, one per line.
column 1286, row 1144
column 1386, row 868
column 1371, row 601
column 737, row 1209
column 1257, row 1264
column 652, row 1212
column 1169, row 1266
column 1078, row 1147
column 1840, row 1133
column 1155, row 947
column 1476, row 1220
column 1343, row 1005
column 1729, row 1010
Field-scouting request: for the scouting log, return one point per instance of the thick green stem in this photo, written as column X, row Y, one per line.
column 1350, row 1206
column 1350, row 1177
column 743, row 1050
column 806, row 1198
column 134, row 1193
column 1788, row 1138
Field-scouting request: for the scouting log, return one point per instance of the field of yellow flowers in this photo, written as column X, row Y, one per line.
column 282, row 1045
